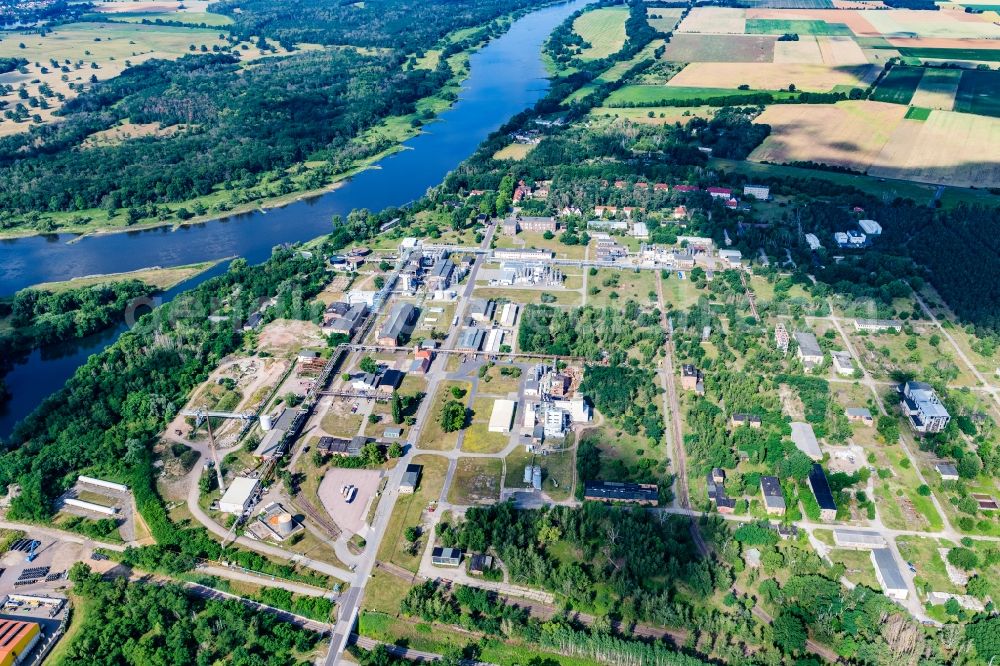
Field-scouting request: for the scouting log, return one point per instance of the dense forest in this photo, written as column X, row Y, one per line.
column 240, row 123
column 145, row 623
column 395, row 24
column 40, row 317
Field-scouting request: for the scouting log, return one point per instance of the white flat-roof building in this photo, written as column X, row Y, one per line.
column 858, row 539
column 732, row 258
column 100, row 483
column 805, row 440
column 91, row 506
column 888, row 574
column 494, row 339
column 759, row 192
column 876, row 325
column 843, row 363
column 502, row 417
column 813, row 242
column 923, row 408
column 870, row 227
column 508, row 315
column 239, row 495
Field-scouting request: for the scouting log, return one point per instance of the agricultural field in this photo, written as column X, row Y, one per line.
column 949, row 148
column 714, row 20
column 805, row 51
column 796, row 27
column 603, row 29
column 685, row 47
column 663, row 19
column 847, row 134
column 651, row 95
column 950, row 54
column 904, row 23
column 937, row 89
column 898, row 85
column 774, row 76
column 977, row 93
column 515, row 151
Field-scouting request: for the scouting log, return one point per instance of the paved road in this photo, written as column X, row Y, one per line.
column 351, row 602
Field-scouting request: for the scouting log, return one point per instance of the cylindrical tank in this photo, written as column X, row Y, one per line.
column 266, row 423
column 285, row 524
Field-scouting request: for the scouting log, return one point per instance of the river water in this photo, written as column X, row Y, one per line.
column 506, row 77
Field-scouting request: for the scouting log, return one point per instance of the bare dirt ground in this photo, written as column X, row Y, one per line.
column 791, row 403
column 349, row 517
column 773, row 76
column 284, row 337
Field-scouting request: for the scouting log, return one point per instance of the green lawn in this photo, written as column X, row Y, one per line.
column 798, row 27
column 917, row 113
column 476, row 480
column 677, row 95
column 898, row 85
column 923, row 554
column 408, row 512
column 603, row 29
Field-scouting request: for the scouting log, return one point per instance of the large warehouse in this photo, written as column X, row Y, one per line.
column 238, row 496
column 16, row 640
column 503, row 415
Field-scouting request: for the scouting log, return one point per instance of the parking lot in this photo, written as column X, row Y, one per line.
column 350, row 516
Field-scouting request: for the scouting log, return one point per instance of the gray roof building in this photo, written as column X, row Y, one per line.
column 809, row 350
column 888, row 574
column 399, row 323
column 805, row 440
column 446, row 557
column 774, row 499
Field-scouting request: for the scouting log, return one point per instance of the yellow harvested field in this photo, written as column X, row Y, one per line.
column 849, row 134
column 838, row 51
column 603, row 29
column 102, row 50
column 937, row 89
column 906, row 23
column 773, row 76
column 715, row 20
column 803, row 52
column 125, row 131
column 948, row 148
column 515, row 151
column 663, row 19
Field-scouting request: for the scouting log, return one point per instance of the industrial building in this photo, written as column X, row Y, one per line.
column 398, row 324
column 238, row 498
column 508, row 315
column 481, row 310
column 888, row 574
column 923, row 408
column 774, row 499
column 870, row 227
column 91, row 506
column 824, row 496
column 411, row 479
column 805, row 440
column 947, row 471
column 446, row 557
column 645, row 494
column 759, row 192
column 809, row 351
column 862, row 414
column 843, row 363
column 858, row 539
column 17, row 638
column 502, row 418
column 100, row 483
column 274, row 522
column 877, row 325
column 338, row 446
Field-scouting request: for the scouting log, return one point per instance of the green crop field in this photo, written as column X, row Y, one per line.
column 638, row 94
column 604, row 30
column 977, row 93
column 898, row 85
column 798, row 27
column 187, row 18
column 983, row 55
column 917, row 113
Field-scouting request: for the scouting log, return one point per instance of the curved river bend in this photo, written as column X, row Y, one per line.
column 506, row 77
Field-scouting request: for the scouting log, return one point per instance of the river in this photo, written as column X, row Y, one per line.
column 506, row 77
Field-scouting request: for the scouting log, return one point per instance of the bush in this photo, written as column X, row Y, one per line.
column 963, row 558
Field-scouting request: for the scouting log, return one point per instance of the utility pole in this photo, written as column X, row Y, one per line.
column 215, row 454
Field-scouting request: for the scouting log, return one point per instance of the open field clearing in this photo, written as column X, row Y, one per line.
column 604, row 30
column 849, row 134
column 798, row 27
column 126, row 131
column 898, row 85
column 977, row 93
column 855, row 21
column 161, row 278
column 515, row 151
column 952, row 196
column 663, row 19
column 838, row 51
column 950, row 148
column 665, row 94
column 937, row 89
column 686, row 47
column 664, row 115
column 715, row 20
column 803, row 52
column 913, row 23
column 101, row 50
column 950, row 55
column 771, row 76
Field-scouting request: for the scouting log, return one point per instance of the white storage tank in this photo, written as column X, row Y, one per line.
column 266, row 422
